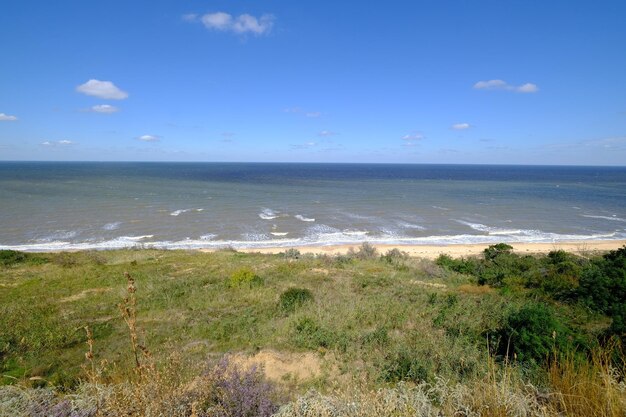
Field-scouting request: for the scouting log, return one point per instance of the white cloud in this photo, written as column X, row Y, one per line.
column 503, row 85
column 326, row 133
column 7, row 118
column 461, row 126
column 190, row 17
column 413, row 137
column 64, row 142
column 306, row 145
column 528, row 88
column 104, row 108
column 102, row 89
column 313, row 114
column 241, row 24
column 149, row 138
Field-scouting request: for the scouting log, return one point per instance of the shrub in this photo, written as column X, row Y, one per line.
column 11, row 257
column 462, row 266
column 294, row 298
column 244, row 277
column 240, row 392
column 366, row 251
column 603, row 283
column 394, row 255
column 291, row 254
column 532, row 333
column 493, row 251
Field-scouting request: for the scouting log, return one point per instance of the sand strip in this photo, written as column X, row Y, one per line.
column 584, row 248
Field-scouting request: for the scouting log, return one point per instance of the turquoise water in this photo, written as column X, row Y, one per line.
column 54, row 206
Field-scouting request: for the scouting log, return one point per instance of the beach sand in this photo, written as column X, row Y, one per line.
column 584, row 248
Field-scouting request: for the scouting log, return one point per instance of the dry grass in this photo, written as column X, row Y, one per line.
column 589, row 387
column 475, row 289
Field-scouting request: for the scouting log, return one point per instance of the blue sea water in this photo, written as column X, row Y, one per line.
column 90, row 205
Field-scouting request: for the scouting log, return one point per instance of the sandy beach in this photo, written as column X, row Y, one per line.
column 433, row 251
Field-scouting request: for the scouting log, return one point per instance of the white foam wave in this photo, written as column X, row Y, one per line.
column 330, row 237
column 495, row 230
column 441, row 208
column 407, row 225
column 254, row 237
column 613, row 218
column 209, row 236
column 304, row 219
column 179, row 212
column 58, row 235
column 112, row 226
column 279, row 233
column 349, row 232
column 268, row 214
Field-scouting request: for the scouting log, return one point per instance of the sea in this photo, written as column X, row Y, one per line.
column 48, row 206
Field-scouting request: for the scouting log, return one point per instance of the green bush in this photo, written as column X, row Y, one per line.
column 11, row 257
column 493, row 251
column 293, row 298
column 532, row 333
column 462, row 266
column 244, row 277
column 603, row 283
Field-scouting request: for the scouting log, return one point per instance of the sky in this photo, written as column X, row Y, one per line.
column 429, row 81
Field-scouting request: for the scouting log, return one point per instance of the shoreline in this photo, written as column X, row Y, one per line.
column 583, row 247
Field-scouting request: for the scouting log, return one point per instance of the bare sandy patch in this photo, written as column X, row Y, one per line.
column 280, row 366
column 84, row 294
column 584, row 248
column 429, row 284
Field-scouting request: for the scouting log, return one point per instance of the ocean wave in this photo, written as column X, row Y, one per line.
column 304, row 219
column 208, row 236
column 279, row 233
column 496, row 231
column 407, row 225
column 179, row 212
column 337, row 237
column 58, row 235
column 268, row 214
column 613, row 218
column 349, row 232
column 112, row 226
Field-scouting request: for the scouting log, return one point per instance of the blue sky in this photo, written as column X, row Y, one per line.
column 327, row 81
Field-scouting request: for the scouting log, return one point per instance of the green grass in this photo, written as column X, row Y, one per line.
column 370, row 319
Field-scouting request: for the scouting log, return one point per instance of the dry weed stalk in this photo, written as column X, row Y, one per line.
column 128, row 309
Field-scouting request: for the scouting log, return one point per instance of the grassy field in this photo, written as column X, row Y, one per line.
column 328, row 330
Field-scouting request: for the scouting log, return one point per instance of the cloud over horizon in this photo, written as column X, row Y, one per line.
column 7, row 118
column 102, row 89
column 240, row 25
column 412, row 139
column 503, row 85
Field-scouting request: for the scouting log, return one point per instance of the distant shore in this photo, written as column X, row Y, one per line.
column 585, row 247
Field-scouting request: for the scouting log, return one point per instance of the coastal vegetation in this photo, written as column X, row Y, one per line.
column 177, row 333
